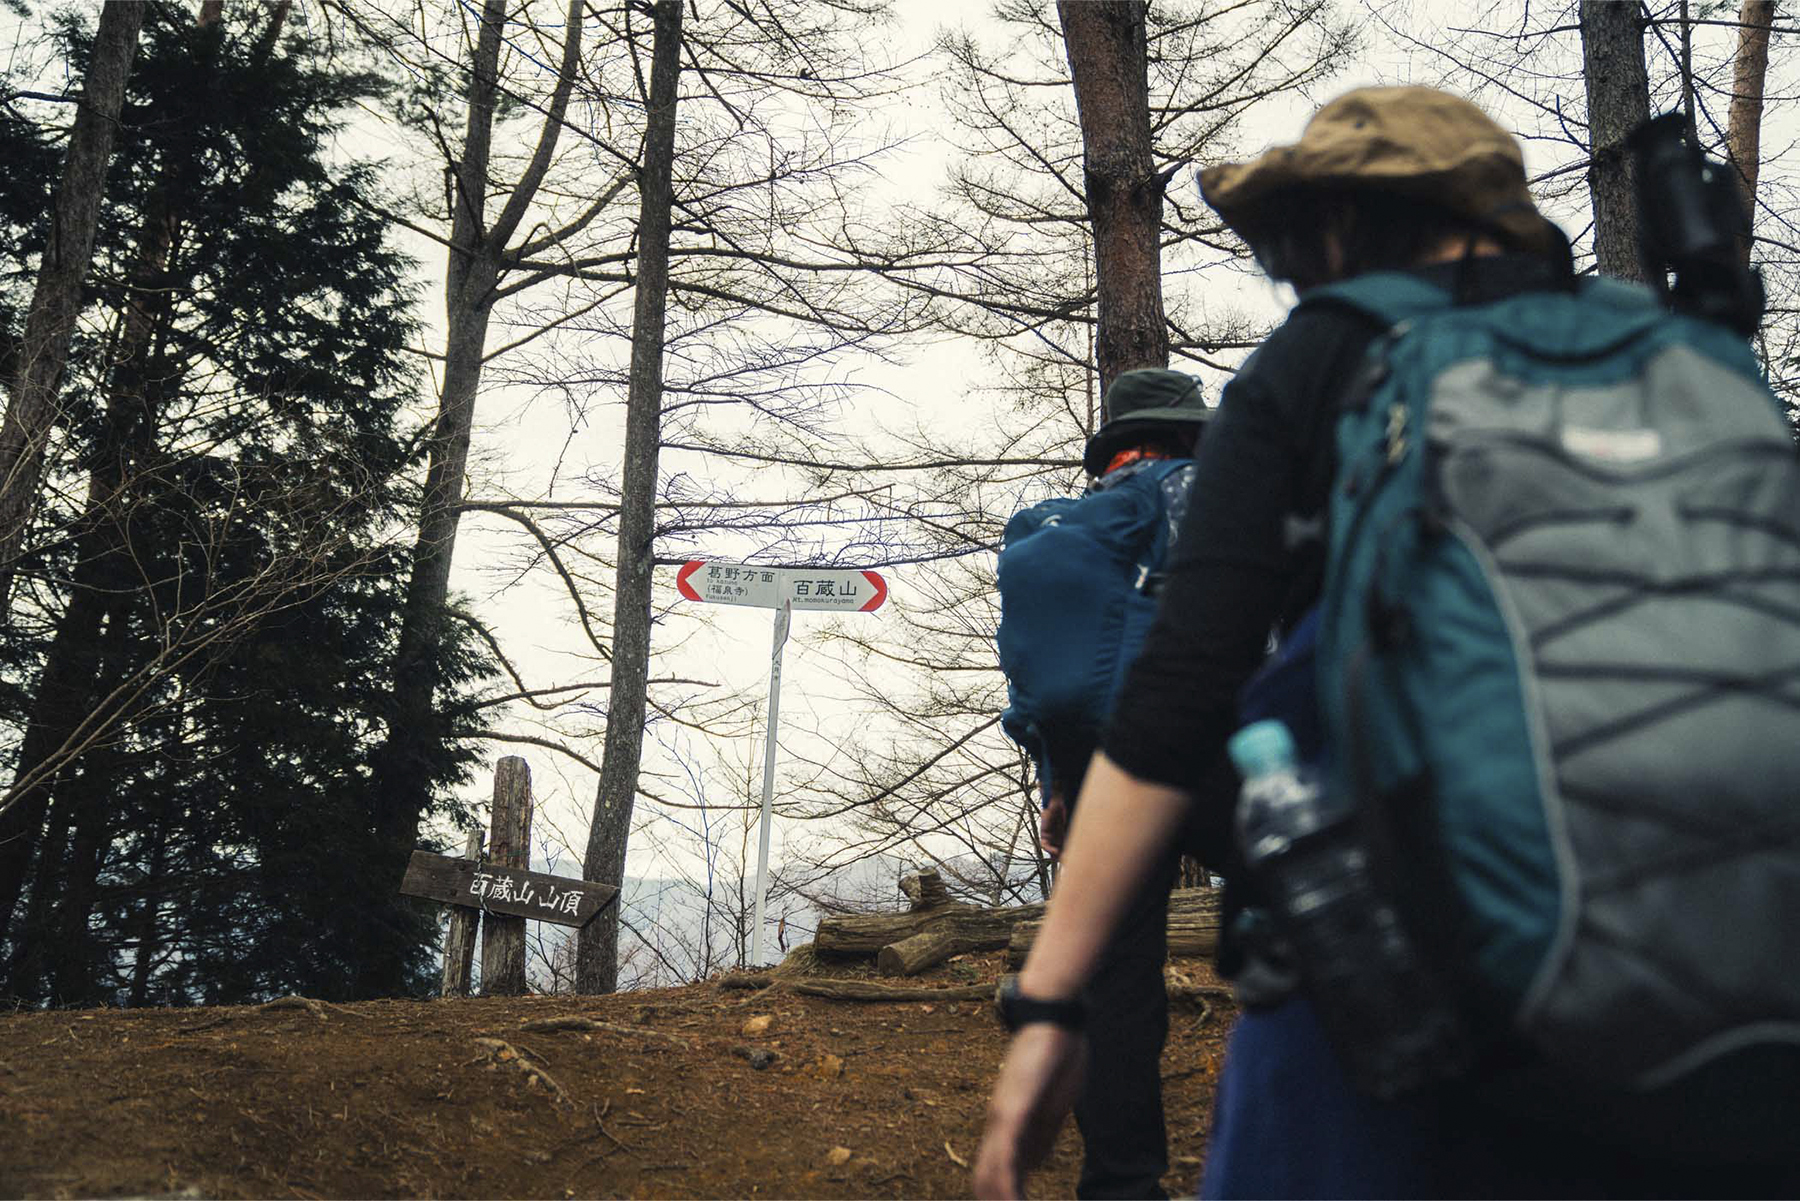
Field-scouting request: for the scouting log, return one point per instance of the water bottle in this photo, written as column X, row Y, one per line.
column 1388, row 1011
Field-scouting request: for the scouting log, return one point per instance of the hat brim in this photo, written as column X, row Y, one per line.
column 1115, row 436
column 1236, row 190
column 1415, row 142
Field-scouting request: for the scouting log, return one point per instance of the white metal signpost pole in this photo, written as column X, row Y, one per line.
column 783, row 617
column 783, row 589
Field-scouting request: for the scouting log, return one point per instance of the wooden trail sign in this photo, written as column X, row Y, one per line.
column 512, row 891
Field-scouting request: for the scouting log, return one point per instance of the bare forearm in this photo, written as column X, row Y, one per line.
column 1121, row 828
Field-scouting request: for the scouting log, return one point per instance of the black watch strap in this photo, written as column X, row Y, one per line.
column 1016, row 1009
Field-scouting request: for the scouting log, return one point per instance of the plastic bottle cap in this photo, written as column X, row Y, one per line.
column 1261, row 748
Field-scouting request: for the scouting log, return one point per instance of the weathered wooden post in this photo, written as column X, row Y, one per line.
column 509, row 846
column 459, row 943
column 502, row 888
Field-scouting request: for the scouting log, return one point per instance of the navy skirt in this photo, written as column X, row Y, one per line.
column 1287, row 1123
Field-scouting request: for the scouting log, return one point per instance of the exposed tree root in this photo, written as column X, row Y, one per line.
column 499, row 1051
column 577, row 1022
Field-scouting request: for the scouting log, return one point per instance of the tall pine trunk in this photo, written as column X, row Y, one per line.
column 1618, row 101
column 62, row 699
column 1744, row 131
column 597, row 957
column 56, row 302
column 1109, row 64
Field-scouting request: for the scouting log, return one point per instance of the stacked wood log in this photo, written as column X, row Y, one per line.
column 1193, row 927
column 931, row 931
column 936, row 928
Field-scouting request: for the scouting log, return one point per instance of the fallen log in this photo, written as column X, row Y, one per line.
column 865, row 990
column 926, row 949
column 1190, row 936
column 848, row 934
column 1196, row 900
column 1193, row 927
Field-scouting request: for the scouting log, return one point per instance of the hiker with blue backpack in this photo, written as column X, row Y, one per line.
column 1078, row 580
column 1517, row 899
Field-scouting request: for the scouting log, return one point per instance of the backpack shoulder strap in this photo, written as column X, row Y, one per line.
column 1385, row 297
column 1171, row 510
column 1618, row 293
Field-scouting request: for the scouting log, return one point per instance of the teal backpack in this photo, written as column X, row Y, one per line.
column 1559, row 673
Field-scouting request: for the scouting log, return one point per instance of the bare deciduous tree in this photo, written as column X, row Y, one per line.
column 609, row 834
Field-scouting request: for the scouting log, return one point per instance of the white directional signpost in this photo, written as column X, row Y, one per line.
column 783, row 589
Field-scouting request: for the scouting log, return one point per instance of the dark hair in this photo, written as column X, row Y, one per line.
column 1376, row 231
column 1167, row 442
column 1178, row 444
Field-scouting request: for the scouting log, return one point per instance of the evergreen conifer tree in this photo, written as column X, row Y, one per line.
column 219, row 570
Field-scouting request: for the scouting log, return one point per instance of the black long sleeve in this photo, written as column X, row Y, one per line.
column 1243, row 565
column 1239, row 571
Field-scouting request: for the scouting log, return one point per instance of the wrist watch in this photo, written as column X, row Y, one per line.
column 1016, row 1009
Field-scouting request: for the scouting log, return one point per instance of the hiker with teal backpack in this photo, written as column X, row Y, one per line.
column 1078, row 581
column 1521, row 858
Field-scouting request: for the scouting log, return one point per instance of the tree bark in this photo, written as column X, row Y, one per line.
column 72, row 953
column 1744, row 131
column 597, row 959
column 1618, row 101
column 478, row 254
column 472, row 270
column 56, row 301
column 1108, row 63
column 149, row 930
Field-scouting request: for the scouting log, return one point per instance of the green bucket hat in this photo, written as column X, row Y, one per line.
column 1141, row 404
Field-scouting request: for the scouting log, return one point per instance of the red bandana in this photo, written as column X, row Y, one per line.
column 1131, row 456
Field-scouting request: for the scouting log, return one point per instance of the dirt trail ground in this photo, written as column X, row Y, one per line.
column 659, row 1099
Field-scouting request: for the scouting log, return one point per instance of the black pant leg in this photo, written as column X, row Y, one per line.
column 1120, row 1110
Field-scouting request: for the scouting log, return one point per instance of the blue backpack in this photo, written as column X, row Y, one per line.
column 1558, row 670
column 1077, row 579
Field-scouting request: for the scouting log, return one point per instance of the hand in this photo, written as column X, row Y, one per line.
column 1053, row 823
column 1037, row 1085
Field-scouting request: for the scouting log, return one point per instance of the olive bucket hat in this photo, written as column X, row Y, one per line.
column 1140, row 404
column 1415, row 142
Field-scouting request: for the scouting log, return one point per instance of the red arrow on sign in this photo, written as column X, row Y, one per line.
column 874, row 578
column 681, row 578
